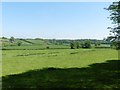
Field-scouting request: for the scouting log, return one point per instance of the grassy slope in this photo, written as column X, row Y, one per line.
column 35, row 47
column 18, row 61
column 34, row 44
column 37, row 41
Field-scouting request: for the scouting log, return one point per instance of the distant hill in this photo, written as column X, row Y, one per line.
column 45, row 43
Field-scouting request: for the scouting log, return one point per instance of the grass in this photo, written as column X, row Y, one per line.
column 35, row 47
column 98, row 76
column 96, row 69
column 37, row 41
column 18, row 61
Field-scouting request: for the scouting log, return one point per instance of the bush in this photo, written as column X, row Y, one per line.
column 47, row 47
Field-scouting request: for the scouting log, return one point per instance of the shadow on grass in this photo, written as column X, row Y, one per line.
column 100, row 76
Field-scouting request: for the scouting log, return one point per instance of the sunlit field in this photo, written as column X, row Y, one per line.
column 61, row 68
column 19, row 61
column 60, row 45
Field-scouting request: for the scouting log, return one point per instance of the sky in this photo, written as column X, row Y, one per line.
column 55, row 20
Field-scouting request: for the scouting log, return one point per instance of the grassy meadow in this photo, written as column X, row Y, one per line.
column 18, row 61
column 60, row 45
column 35, row 66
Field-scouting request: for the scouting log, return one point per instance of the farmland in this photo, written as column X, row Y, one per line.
column 35, row 66
column 18, row 61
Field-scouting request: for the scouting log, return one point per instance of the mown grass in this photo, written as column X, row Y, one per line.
column 96, row 69
column 98, row 76
column 18, row 61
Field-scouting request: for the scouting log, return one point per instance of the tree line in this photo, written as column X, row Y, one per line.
column 73, row 44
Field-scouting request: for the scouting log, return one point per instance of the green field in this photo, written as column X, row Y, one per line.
column 18, row 61
column 55, row 68
column 33, row 65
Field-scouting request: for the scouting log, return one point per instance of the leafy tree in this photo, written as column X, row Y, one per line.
column 4, row 37
column 19, row 43
column 72, row 45
column 86, row 44
column 114, row 10
column 77, row 45
column 12, row 39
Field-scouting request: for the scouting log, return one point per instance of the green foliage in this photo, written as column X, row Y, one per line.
column 86, row 44
column 30, row 44
column 4, row 37
column 47, row 47
column 72, row 45
column 114, row 10
column 19, row 43
column 97, row 43
column 77, row 45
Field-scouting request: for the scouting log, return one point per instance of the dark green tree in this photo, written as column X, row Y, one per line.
column 19, row 43
column 4, row 37
column 114, row 10
column 72, row 45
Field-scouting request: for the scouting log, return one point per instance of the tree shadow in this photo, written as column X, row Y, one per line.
column 105, row 76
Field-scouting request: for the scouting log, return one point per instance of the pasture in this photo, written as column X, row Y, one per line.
column 18, row 61
column 60, row 68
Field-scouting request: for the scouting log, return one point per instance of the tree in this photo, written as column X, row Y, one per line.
column 77, row 45
column 19, row 43
column 114, row 10
column 47, row 47
column 86, row 44
column 12, row 39
column 4, row 37
column 72, row 45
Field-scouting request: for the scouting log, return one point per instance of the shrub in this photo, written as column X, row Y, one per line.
column 47, row 47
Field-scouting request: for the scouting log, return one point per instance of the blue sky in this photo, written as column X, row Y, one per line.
column 60, row 20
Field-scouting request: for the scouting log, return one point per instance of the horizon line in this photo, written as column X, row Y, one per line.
column 53, row 38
